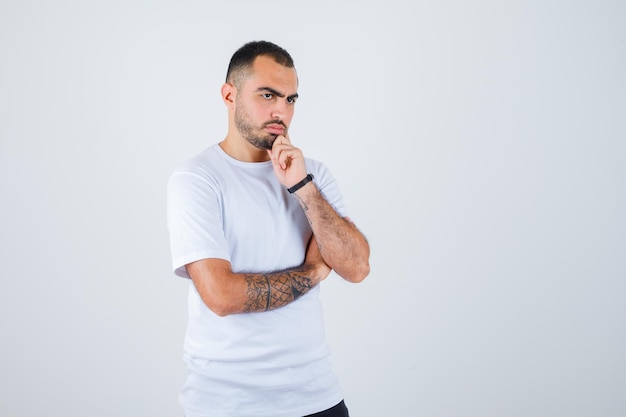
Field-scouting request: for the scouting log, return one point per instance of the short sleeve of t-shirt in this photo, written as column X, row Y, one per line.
column 328, row 186
column 194, row 221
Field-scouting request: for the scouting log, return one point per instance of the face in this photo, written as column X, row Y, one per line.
column 265, row 102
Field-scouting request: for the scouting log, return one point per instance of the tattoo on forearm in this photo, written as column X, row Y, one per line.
column 305, row 208
column 268, row 292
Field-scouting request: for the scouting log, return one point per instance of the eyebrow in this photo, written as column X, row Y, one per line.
column 276, row 93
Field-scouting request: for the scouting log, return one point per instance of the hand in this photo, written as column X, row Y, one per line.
column 314, row 260
column 288, row 162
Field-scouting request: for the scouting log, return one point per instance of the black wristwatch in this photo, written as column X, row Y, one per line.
column 305, row 181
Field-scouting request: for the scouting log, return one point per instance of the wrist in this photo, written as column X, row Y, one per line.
column 299, row 185
column 318, row 271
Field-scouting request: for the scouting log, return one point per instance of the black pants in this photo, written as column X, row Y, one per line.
column 340, row 410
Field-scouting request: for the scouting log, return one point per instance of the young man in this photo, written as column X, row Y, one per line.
column 256, row 226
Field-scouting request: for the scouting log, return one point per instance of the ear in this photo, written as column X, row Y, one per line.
column 229, row 93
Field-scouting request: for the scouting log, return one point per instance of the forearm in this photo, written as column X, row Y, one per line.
column 342, row 246
column 264, row 292
column 226, row 292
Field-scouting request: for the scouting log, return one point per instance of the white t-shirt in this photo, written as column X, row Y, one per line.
column 255, row 364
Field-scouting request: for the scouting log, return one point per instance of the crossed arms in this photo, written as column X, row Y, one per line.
column 336, row 245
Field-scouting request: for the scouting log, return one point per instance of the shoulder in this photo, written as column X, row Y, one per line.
column 205, row 165
column 201, row 164
column 198, row 174
column 320, row 171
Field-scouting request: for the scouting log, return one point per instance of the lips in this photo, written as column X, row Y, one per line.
column 275, row 129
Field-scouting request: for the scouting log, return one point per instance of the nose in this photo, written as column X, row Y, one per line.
column 280, row 110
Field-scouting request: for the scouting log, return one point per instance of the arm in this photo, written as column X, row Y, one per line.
column 343, row 247
column 226, row 292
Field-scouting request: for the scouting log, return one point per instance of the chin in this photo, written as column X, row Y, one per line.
column 265, row 143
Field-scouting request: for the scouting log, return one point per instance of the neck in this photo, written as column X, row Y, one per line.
column 240, row 149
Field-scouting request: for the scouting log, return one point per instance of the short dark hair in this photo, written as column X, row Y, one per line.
column 244, row 57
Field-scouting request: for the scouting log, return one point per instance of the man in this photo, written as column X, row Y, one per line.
column 257, row 226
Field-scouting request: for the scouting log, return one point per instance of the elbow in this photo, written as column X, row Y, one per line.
column 361, row 269
column 358, row 274
column 221, row 309
column 212, row 280
column 363, row 272
column 219, row 305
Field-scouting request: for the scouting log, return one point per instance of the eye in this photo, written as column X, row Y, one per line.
column 267, row 96
column 291, row 100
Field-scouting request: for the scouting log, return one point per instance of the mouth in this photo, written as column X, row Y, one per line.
column 275, row 128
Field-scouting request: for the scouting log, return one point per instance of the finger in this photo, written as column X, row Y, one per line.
column 285, row 158
column 274, row 152
column 283, row 153
column 280, row 140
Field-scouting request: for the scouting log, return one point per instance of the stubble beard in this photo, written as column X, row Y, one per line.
column 255, row 137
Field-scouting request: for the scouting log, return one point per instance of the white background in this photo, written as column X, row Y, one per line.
column 480, row 146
